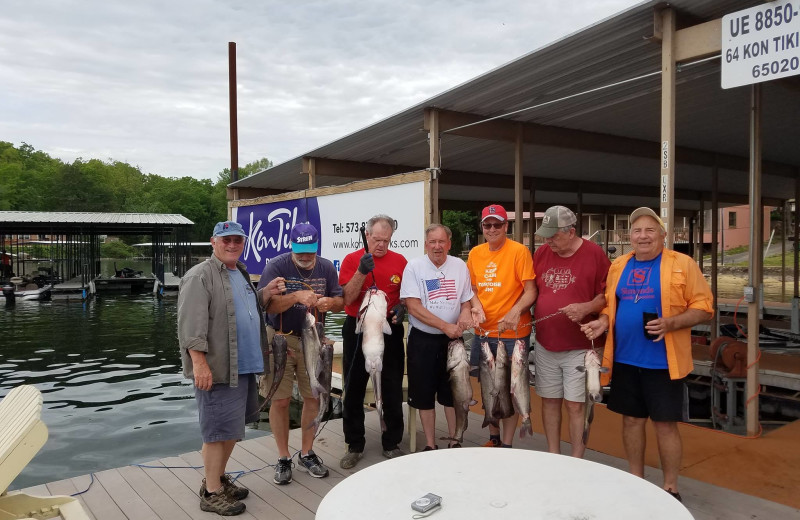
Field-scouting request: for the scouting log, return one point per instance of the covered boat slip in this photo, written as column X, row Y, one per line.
column 71, row 253
column 723, row 477
column 628, row 112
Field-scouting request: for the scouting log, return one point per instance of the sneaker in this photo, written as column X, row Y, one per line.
column 394, row 452
column 675, row 494
column 234, row 491
column 493, row 443
column 350, row 459
column 283, row 471
column 312, row 464
column 237, row 492
column 221, row 503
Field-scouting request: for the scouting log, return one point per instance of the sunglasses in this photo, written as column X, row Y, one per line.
column 490, row 225
column 237, row 239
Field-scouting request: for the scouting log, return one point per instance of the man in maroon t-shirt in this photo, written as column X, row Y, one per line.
column 386, row 269
column 571, row 278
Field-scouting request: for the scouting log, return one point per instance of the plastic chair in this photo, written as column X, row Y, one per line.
column 22, row 435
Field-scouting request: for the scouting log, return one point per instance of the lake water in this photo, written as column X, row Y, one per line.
column 109, row 371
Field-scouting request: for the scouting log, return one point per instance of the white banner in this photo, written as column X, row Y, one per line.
column 761, row 43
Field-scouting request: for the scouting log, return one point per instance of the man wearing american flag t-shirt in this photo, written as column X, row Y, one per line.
column 441, row 305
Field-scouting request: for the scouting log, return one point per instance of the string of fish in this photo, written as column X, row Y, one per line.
column 280, row 316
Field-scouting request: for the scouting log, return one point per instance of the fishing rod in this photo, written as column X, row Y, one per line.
column 366, row 249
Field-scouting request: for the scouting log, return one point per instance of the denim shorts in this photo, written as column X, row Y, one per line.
column 224, row 410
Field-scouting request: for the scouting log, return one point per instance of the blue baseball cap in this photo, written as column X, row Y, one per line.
column 227, row 228
column 304, row 238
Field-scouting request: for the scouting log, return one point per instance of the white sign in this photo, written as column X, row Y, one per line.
column 761, row 43
column 341, row 213
column 338, row 219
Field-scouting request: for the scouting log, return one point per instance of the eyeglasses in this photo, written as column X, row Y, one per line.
column 490, row 225
column 236, row 239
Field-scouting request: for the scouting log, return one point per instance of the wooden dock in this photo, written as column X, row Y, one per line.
column 170, row 490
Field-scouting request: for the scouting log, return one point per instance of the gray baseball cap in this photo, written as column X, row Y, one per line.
column 555, row 218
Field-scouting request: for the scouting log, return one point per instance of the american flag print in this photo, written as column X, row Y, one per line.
column 441, row 288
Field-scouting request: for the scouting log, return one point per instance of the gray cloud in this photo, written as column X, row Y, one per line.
column 146, row 82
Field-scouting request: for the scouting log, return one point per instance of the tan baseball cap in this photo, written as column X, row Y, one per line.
column 646, row 212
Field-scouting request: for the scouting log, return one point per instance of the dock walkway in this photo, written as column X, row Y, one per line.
column 170, row 491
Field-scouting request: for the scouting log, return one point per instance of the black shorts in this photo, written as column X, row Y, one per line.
column 426, row 356
column 647, row 392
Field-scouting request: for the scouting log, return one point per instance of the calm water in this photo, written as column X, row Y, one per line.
column 109, row 372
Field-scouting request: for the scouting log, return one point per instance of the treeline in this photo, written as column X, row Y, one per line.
column 31, row 180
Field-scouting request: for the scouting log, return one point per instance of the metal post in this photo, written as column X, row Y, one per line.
column 714, row 246
column 667, row 157
column 754, row 273
column 518, row 209
column 532, row 219
column 796, row 249
column 784, row 224
column 233, row 110
column 434, row 162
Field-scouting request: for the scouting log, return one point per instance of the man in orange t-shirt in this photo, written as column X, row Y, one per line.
column 502, row 276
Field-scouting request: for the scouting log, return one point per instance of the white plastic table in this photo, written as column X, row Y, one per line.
column 498, row 483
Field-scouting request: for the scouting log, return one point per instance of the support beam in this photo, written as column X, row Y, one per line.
column 310, row 169
column 532, row 219
column 754, row 271
column 698, row 41
column 715, row 249
column 450, row 122
column 667, row 155
column 364, row 170
column 784, row 226
column 518, row 187
column 701, row 232
column 434, row 161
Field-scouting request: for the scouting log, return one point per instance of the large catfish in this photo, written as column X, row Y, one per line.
column 488, row 394
column 502, row 384
column 521, row 387
column 372, row 325
column 594, row 392
column 326, row 366
column 311, row 337
column 458, row 368
column 279, row 349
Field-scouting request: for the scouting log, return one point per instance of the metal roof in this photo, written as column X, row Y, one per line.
column 16, row 222
column 709, row 121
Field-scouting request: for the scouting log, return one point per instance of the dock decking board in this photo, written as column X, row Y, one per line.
column 133, row 492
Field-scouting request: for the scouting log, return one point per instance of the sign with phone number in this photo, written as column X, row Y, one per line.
column 761, row 43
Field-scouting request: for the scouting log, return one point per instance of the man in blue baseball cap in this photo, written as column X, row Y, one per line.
column 312, row 285
column 223, row 356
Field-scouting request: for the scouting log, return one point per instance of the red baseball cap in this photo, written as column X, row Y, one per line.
column 495, row 210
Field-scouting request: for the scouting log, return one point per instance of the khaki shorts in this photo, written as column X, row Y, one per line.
column 295, row 370
column 557, row 376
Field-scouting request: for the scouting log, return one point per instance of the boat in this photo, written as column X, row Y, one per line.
column 20, row 288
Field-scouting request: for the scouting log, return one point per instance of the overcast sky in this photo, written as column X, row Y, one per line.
column 146, row 82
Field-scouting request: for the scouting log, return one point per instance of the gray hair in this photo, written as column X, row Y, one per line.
column 434, row 227
column 386, row 219
column 566, row 229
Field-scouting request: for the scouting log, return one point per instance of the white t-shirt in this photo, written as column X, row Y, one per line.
column 441, row 290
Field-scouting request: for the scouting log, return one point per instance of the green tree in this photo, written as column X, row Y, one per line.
column 461, row 223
